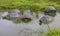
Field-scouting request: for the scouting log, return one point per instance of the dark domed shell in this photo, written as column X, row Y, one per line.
column 49, row 8
column 46, row 19
column 27, row 15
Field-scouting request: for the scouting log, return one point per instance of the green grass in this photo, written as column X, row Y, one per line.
column 17, row 21
column 53, row 32
column 33, row 5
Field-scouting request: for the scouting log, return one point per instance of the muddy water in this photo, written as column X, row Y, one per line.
column 8, row 28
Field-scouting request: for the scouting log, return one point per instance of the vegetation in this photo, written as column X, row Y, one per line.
column 52, row 32
column 55, row 32
column 16, row 21
column 33, row 5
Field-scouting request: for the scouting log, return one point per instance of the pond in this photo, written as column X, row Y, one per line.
column 9, row 28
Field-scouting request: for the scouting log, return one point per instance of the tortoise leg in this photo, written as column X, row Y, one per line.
column 40, row 22
column 4, row 17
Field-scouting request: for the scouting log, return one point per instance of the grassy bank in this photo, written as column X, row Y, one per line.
column 33, row 5
column 53, row 32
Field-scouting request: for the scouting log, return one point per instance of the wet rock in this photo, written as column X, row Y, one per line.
column 50, row 10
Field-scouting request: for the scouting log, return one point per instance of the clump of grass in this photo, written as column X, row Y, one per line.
column 53, row 32
column 21, row 20
column 16, row 21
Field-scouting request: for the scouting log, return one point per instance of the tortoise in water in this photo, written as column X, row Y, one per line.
column 26, row 17
column 46, row 19
column 11, row 15
column 50, row 10
column 15, row 13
